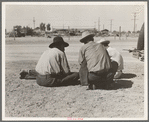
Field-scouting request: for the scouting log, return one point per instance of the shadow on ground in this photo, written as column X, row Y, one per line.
column 128, row 75
column 121, row 84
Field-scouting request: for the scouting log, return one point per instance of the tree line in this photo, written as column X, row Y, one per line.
column 22, row 31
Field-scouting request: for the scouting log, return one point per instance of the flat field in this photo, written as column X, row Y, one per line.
column 24, row 98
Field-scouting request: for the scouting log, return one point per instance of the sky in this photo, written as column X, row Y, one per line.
column 76, row 15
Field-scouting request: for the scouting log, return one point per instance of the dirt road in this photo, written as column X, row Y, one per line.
column 24, row 98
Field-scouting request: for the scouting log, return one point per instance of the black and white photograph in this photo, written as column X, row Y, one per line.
column 74, row 60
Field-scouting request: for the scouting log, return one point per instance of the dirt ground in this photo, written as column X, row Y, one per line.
column 24, row 98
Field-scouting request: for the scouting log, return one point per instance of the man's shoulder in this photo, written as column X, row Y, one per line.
column 87, row 45
column 98, row 44
column 53, row 51
column 112, row 49
column 58, row 53
column 83, row 47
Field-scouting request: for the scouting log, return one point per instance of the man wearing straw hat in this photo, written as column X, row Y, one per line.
column 96, row 69
column 114, row 55
column 52, row 68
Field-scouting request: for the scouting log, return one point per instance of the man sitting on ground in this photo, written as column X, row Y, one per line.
column 115, row 56
column 52, row 68
column 95, row 59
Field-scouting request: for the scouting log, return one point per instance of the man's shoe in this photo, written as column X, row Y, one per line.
column 91, row 87
column 94, row 87
column 23, row 74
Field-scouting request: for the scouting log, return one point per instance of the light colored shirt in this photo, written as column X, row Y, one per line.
column 52, row 61
column 96, row 56
column 116, row 56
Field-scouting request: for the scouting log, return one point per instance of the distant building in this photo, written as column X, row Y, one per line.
column 105, row 31
column 37, row 29
column 38, row 32
column 66, row 32
column 74, row 29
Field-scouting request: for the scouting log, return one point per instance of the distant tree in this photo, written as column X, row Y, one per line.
column 115, row 32
column 129, row 31
column 48, row 27
column 29, row 31
column 17, row 29
column 123, row 32
column 106, row 30
column 42, row 27
column 75, row 30
column 41, row 24
column 24, row 30
column 138, row 31
column 37, row 28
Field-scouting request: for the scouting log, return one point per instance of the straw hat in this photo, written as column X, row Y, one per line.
column 103, row 41
column 58, row 41
column 85, row 35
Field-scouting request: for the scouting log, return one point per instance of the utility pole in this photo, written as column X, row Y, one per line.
column 134, row 22
column 14, row 32
column 120, row 33
column 63, row 24
column 95, row 25
column 111, row 25
column 69, row 32
column 34, row 22
column 99, row 24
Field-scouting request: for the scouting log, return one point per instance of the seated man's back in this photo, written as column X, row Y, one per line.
column 96, row 56
column 49, row 62
column 116, row 56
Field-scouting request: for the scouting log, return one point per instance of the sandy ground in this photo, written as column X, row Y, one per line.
column 24, row 98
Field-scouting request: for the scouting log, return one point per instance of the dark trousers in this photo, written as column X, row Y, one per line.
column 102, row 80
column 98, row 79
column 53, row 80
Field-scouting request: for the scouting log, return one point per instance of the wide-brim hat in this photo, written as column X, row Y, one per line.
column 58, row 41
column 103, row 41
column 85, row 35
